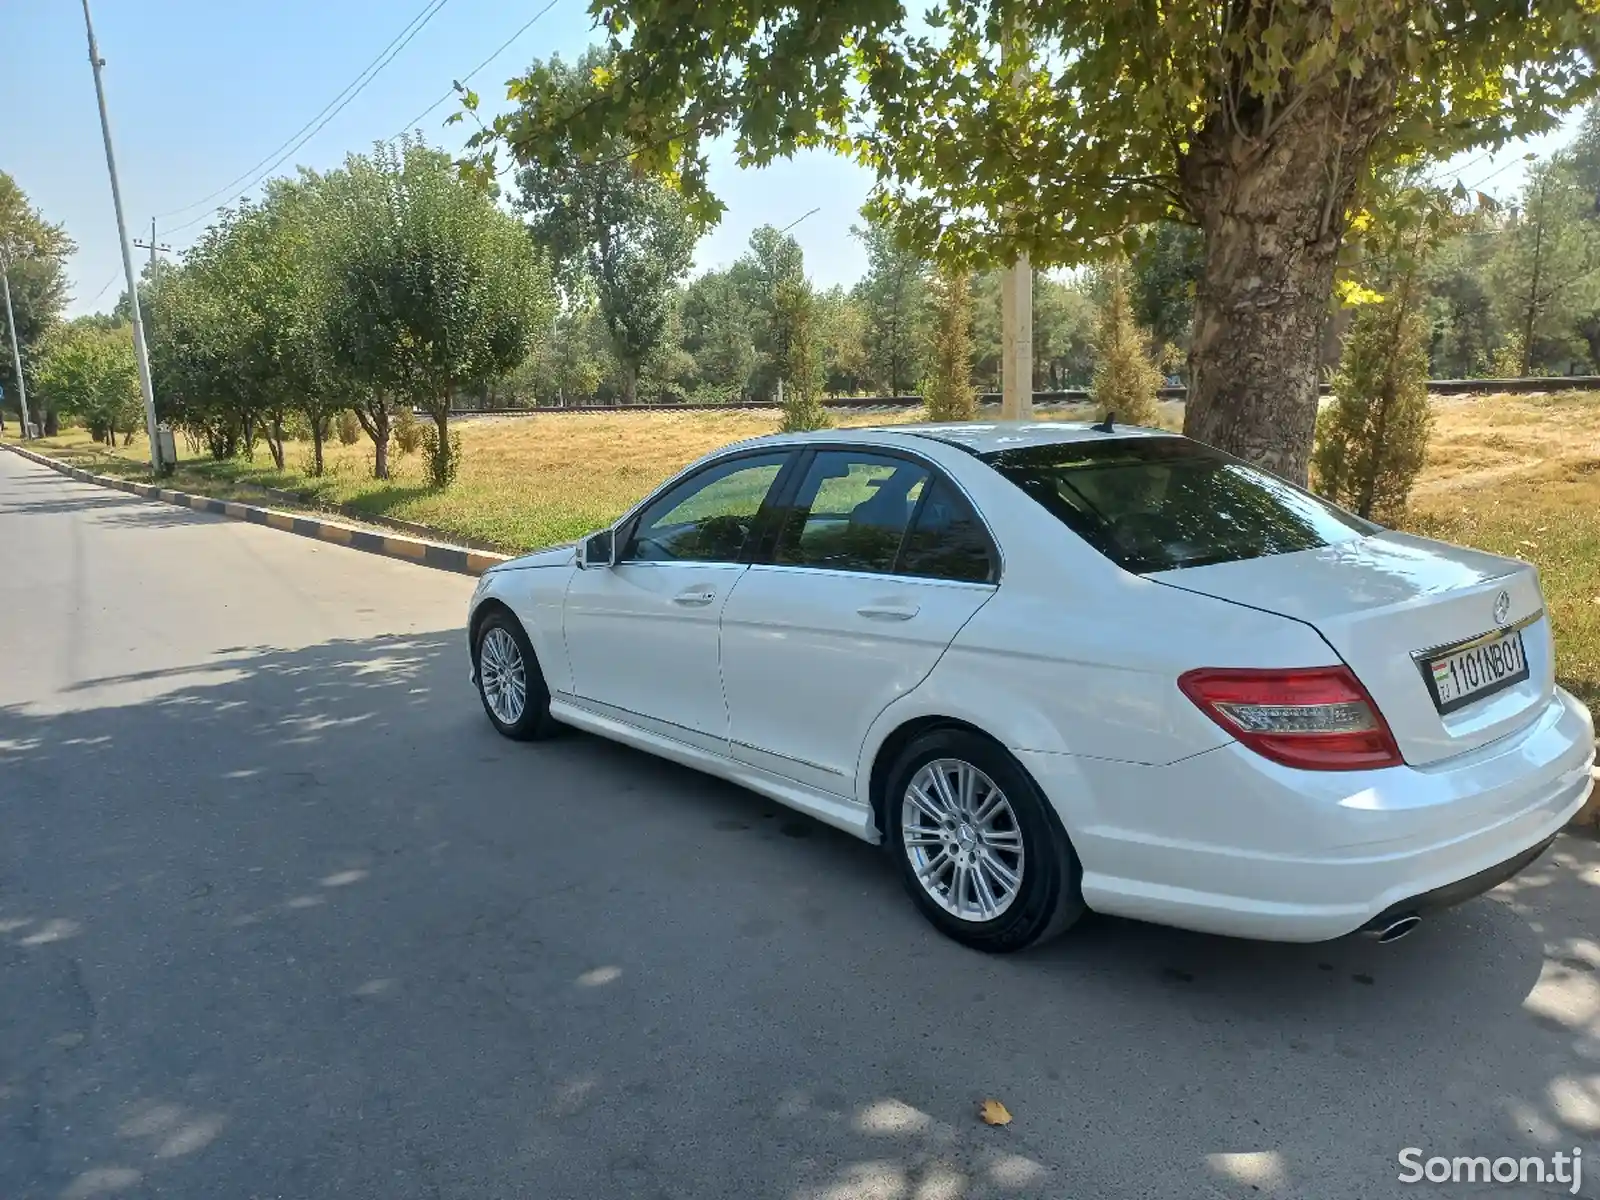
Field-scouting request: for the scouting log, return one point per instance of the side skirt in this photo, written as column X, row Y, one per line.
column 849, row 815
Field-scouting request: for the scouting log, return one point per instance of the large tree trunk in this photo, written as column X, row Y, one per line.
column 1271, row 196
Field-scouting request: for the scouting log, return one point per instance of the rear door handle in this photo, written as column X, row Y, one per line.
column 694, row 598
column 889, row 612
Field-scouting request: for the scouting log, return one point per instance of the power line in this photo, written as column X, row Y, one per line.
column 335, row 107
column 1497, row 171
column 303, row 128
column 103, row 287
column 501, row 49
column 1436, row 175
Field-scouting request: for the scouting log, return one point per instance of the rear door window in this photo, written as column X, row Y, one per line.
column 1158, row 504
column 850, row 512
column 946, row 539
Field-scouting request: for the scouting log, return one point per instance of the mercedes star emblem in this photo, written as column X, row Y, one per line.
column 1502, row 608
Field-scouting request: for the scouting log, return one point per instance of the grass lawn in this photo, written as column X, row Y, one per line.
column 1514, row 475
column 1521, row 476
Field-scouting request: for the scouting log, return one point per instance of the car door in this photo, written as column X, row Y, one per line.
column 642, row 634
column 878, row 562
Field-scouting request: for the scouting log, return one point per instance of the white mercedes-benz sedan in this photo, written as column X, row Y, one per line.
column 1056, row 667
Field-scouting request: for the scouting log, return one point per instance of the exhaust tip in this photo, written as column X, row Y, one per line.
column 1395, row 929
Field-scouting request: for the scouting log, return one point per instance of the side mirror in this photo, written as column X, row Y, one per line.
column 597, row 550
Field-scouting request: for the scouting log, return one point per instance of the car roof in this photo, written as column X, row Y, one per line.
column 977, row 437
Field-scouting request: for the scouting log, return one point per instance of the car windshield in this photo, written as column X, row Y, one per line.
column 1156, row 504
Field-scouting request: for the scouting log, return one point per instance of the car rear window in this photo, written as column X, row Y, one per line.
column 1156, row 504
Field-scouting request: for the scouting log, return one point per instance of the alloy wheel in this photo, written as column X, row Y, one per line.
column 503, row 675
column 963, row 839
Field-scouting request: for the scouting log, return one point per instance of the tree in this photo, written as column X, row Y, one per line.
column 949, row 391
column 797, row 356
column 261, row 261
column 1164, row 275
column 625, row 234
column 1545, row 263
column 1064, row 319
column 86, row 370
column 36, row 253
column 1465, row 327
column 1584, row 155
column 433, row 290
column 1125, row 373
column 196, row 343
column 1257, row 123
column 719, row 330
column 843, row 325
column 1372, row 441
column 772, row 261
column 893, row 294
column 290, row 289
column 1063, row 332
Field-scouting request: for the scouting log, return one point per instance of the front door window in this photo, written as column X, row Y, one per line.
column 707, row 518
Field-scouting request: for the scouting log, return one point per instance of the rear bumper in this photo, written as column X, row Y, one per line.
column 1452, row 894
column 1229, row 843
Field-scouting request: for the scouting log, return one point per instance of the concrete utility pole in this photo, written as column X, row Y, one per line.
column 153, row 246
column 1016, row 285
column 140, row 356
column 16, row 346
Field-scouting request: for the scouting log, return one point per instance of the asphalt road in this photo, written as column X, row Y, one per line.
column 280, row 916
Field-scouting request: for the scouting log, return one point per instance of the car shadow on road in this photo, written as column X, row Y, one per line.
column 298, row 917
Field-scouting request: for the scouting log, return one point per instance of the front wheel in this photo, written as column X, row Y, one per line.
column 510, row 683
column 977, row 846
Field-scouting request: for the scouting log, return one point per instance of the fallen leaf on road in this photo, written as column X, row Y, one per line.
column 993, row 1112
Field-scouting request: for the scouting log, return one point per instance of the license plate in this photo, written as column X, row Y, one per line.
column 1482, row 667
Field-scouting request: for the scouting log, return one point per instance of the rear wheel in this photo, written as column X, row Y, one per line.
column 977, row 846
column 510, row 683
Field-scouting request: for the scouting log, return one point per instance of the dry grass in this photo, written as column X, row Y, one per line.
column 1514, row 475
column 1521, row 476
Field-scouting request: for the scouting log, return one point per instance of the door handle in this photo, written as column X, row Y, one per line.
column 889, row 612
column 694, row 598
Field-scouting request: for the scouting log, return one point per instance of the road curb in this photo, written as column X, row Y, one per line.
column 438, row 555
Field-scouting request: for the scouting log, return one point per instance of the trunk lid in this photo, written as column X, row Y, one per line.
column 1381, row 600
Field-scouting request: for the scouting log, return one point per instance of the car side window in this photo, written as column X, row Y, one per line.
column 947, row 540
column 850, row 512
column 709, row 517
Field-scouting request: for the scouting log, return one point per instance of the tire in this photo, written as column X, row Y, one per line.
column 502, row 640
column 1046, row 898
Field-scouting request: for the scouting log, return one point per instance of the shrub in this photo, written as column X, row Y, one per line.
column 1507, row 360
column 443, row 459
column 1373, row 439
column 1125, row 373
column 349, row 428
column 408, row 431
column 802, row 412
column 950, row 394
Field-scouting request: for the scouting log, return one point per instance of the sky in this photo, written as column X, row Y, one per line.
column 201, row 91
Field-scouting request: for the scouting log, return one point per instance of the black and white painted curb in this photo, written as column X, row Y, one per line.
column 425, row 553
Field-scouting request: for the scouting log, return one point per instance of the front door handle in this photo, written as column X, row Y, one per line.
column 694, row 598
column 889, row 612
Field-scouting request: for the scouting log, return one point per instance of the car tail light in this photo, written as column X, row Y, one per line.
column 1317, row 719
